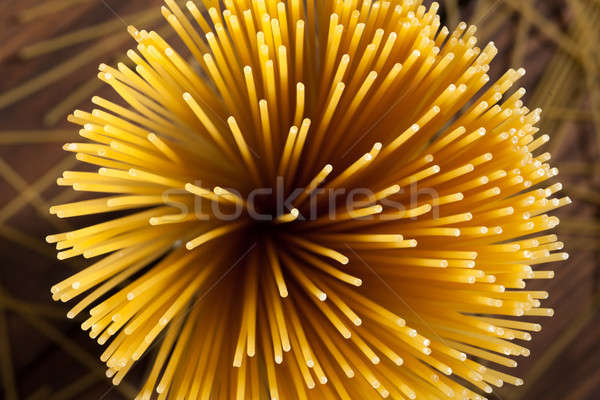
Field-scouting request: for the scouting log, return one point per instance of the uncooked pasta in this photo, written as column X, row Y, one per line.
column 311, row 200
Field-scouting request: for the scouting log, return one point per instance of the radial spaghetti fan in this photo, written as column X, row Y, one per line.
column 314, row 200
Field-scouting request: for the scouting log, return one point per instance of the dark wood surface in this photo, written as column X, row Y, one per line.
column 43, row 355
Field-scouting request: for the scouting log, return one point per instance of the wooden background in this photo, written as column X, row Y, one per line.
column 49, row 51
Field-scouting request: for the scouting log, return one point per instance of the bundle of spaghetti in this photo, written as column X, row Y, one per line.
column 416, row 206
